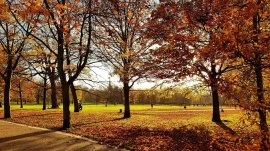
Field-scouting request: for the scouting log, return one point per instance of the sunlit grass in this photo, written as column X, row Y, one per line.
column 147, row 125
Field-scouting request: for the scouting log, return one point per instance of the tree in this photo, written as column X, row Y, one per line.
column 41, row 63
column 190, row 44
column 62, row 30
column 248, row 32
column 22, row 90
column 66, row 24
column 119, row 40
column 12, row 43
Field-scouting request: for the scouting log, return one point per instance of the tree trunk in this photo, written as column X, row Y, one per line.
column 20, row 90
column 126, row 97
column 265, row 142
column 21, row 102
column 261, row 110
column 7, row 113
column 62, row 75
column 44, row 93
column 75, row 99
column 66, row 103
column 53, row 88
column 38, row 96
column 215, row 97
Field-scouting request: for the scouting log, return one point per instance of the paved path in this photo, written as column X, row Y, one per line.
column 17, row 137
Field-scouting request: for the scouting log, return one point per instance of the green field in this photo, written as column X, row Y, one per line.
column 111, row 107
column 164, row 127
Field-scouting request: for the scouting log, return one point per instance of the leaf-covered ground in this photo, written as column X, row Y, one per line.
column 161, row 128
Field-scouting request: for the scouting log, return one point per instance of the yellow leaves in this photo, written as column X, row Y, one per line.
column 130, row 14
column 70, row 67
column 79, row 94
column 30, row 40
column 126, row 54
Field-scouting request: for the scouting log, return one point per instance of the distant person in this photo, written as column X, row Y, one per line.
column 0, row 104
column 152, row 105
column 185, row 107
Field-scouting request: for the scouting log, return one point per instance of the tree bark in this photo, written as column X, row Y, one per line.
column 75, row 99
column 20, row 91
column 38, row 96
column 66, row 103
column 265, row 142
column 262, row 110
column 44, row 92
column 53, row 89
column 7, row 113
column 126, row 97
column 215, row 97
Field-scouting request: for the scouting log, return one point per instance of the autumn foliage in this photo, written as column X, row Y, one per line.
column 222, row 44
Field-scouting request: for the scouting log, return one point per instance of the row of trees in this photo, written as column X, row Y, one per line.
column 174, row 96
column 29, row 92
column 211, row 40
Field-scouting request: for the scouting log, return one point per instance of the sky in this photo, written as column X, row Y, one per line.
column 101, row 77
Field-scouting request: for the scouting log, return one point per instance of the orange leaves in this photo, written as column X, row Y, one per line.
column 4, row 13
column 60, row 7
column 149, row 130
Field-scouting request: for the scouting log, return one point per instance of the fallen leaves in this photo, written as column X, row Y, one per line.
column 150, row 130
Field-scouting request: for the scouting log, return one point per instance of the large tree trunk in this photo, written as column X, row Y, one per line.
column 53, row 89
column 215, row 99
column 214, row 91
column 7, row 113
column 62, row 75
column 126, row 97
column 66, row 103
column 75, row 99
column 262, row 110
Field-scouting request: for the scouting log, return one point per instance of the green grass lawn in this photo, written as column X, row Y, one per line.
column 116, row 108
column 165, row 127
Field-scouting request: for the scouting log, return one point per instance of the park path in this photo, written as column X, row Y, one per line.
column 18, row 137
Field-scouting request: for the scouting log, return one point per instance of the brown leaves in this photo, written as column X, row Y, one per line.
column 159, row 129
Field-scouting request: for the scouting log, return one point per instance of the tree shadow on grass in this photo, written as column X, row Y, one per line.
column 36, row 115
column 183, row 138
column 6, row 139
column 225, row 127
column 96, row 122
